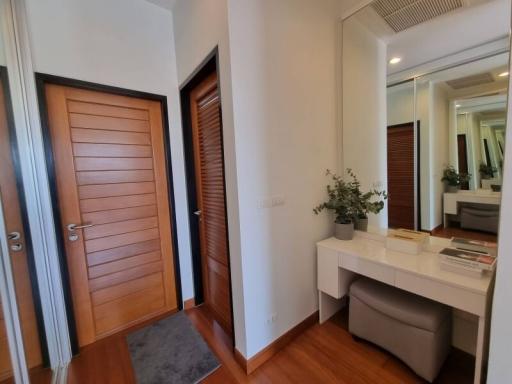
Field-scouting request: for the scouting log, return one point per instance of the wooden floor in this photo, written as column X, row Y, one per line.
column 459, row 232
column 323, row 354
column 37, row 375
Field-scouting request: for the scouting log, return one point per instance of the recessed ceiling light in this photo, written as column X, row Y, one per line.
column 395, row 60
column 503, row 74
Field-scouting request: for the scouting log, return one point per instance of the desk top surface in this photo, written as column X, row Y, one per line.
column 480, row 194
column 372, row 247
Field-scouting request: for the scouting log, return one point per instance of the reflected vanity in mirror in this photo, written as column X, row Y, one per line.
column 424, row 112
column 447, row 128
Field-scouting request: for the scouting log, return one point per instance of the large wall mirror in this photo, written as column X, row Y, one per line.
column 424, row 111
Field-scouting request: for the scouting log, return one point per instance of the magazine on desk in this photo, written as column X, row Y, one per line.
column 487, row 247
column 468, row 259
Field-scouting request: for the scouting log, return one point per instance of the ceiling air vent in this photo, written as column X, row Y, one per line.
column 403, row 14
column 471, row 81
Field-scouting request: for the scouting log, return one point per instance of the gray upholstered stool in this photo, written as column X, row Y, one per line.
column 415, row 329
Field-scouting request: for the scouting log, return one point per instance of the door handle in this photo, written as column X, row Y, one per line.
column 16, row 247
column 14, row 236
column 73, row 227
column 197, row 213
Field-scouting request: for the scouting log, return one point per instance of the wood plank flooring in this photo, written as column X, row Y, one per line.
column 323, row 354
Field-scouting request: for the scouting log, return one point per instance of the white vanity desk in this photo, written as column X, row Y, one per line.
column 482, row 196
column 340, row 261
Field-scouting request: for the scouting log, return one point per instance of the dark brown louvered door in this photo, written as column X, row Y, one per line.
column 462, row 152
column 110, row 171
column 401, row 176
column 209, row 171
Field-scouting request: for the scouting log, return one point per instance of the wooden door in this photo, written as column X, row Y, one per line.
column 462, row 151
column 401, row 176
column 19, row 259
column 110, row 167
column 206, row 122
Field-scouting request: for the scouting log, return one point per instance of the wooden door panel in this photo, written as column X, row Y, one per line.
column 78, row 120
column 109, row 163
column 129, row 309
column 115, row 241
column 107, row 177
column 401, row 176
column 124, row 264
column 110, row 168
column 117, row 202
column 111, row 150
column 123, row 227
column 209, row 170
column 81, row 135
column 107, row 110
column 111, row 190
column 118, row 253
column 124, row 276
column 462, row 155
column 115, row 215
column 19, row 260
column 108, row 294
column 218, row 277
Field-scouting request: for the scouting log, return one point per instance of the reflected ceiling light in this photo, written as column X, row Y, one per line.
column 395, row 60
column 503, row 74
column 457, row 105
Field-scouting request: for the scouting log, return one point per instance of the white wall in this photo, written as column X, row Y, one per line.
column 500, row 369
column 364, row 109
column 400, row 104
column 439, row 132
column 284, row 89
column 124, row 43
column 3, row 60
column 199, row 27
column 423, row 106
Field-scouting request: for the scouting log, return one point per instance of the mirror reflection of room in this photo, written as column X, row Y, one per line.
column 460, row 113
column 434, row 113
column 424, row 113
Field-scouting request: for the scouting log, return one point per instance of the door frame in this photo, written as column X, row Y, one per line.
column 417, row 160
column 36, row 297
column 42, row 80
column 209, row 64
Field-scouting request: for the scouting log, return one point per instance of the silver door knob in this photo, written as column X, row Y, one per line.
column 197, row 213
column 73, row 227
column 14, row 236
column 16, row 247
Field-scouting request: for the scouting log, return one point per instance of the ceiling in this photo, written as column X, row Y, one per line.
column 167, row 4
column 475, row 23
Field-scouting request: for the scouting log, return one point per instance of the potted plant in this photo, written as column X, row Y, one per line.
column 367, row 205
column 342, row 199
column 486, row 171
column 453, row 179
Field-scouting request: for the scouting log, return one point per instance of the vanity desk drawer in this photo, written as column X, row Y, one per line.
column 444, row 293
column 368, row 268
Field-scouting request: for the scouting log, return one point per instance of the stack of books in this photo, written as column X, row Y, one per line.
column 469, row 257
column 486, row 247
